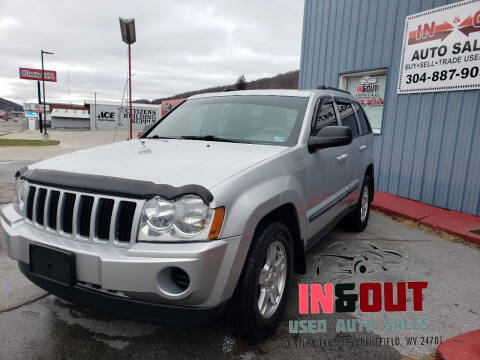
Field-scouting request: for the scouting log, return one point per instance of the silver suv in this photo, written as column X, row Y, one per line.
column 212, row 208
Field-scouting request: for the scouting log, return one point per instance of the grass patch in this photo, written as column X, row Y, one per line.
column 23, row 142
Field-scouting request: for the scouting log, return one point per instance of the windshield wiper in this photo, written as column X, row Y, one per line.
column 211, row 138
column 162, row 137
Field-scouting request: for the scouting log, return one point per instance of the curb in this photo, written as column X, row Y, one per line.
column 465, row 346
column 453, row 222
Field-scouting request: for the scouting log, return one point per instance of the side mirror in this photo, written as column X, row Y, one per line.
column 330, row 136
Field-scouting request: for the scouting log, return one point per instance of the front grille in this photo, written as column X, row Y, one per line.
column 30, row 198
column 85, row 215
column 67, row 213
column 40, row 206
column 125, row 219
column 81, row 216
column 104, row 218
column 53, row 208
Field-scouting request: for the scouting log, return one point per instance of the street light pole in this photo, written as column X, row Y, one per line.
column 130, row 87
column 40, row 120
column 127, row 28
column 44, row 106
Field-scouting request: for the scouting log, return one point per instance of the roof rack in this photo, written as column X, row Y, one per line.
column 323, row 87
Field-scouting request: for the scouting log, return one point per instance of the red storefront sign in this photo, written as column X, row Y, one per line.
column 36, row 74
column 167, row 105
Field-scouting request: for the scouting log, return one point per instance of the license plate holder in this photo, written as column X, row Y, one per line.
column 53, row 264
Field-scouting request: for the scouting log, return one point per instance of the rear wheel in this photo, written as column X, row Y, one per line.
column 261, row 295
column 357, row 220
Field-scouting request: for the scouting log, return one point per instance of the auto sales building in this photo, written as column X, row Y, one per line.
column 414, row 65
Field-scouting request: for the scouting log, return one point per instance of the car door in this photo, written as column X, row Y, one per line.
column 364, row 148
column 346, row 109
column 329, row 171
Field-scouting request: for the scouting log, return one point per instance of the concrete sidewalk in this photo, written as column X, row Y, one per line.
column 464, row 226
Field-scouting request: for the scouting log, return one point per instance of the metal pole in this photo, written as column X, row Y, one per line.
column 39, row 103
column 44, row 107
column 130, row 86
column 95, row 118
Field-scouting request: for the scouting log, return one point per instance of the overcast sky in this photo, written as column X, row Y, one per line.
column 181, row 45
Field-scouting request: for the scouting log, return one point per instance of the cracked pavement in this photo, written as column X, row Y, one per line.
column 34, row 325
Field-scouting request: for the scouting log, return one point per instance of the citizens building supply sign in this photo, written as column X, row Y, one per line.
column 109, row 117
column 441, row 49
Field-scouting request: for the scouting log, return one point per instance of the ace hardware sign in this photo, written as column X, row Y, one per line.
column 441, row 49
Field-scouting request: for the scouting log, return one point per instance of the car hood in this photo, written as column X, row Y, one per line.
column 164, row 161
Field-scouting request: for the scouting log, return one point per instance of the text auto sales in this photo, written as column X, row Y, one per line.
column 371, row 297
column 460, row 53
column 463, row 50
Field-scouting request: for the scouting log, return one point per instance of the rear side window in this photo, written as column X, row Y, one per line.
column 362, row 118
column 324, row 117
column 348, row 117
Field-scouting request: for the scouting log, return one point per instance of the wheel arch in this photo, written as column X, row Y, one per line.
column 370, row 173
column 287, row 214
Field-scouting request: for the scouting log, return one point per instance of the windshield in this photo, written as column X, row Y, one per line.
column 246, row 118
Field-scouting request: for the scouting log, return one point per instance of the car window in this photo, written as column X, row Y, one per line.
column 362, row 118
column 348, row 117
column 324, row 117
column 272, row 120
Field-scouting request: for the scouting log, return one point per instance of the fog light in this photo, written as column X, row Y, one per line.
column 173, row 282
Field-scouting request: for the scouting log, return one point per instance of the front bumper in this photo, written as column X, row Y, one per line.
column 135, row 309
column 138, row 273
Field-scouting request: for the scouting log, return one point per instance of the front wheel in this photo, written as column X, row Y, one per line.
column 357, row 220
column 261, row 295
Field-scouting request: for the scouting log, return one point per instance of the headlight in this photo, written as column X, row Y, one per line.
column 187, row 218
column 20, row 195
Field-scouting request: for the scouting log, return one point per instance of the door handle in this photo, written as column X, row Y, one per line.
column 342, row 157
column 363, row 147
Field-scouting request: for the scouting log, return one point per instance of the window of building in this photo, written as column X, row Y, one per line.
column 348, row 117
column 364, row 125
column 369, row 88
column 325, row 117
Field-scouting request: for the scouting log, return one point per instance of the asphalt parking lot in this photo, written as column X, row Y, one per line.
column 36, row 325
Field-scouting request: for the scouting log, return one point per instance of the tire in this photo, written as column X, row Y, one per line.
column 245, row 313
column 357, row 220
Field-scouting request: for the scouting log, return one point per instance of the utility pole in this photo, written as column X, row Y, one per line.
column 95, row 106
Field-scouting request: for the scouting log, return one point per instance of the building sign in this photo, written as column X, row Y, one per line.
column 39, row 107
column 167, row 105
column 2, row 112
column 368, row 91
column 111, row 117
column 139, row 116
column 36, row 74
column 369, row 88
column 441, row 49
column 30, row 113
